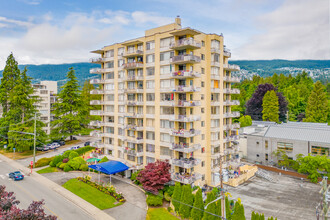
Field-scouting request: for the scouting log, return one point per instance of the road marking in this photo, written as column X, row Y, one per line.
column 2, row 177
column 35, row 198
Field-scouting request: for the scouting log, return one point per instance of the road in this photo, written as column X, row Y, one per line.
column 29, row 189
column 51, row 153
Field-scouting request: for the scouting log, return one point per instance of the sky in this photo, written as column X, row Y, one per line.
column 65, row 31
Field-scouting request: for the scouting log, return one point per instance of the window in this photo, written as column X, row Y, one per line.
column 215, row 44
column 202, row 56
column 203, row 123
column 110, row 97
column 203, row 163
column 109, row 108
column 150, row 135
column 150, row 84
column 166, row 124
column 202, row 96
column 203, row 70
column 288, row 147
column 109, row 75
column 130, row 157
column 165, row 151
column 317, row 150
column 165, row 56
column 150, row 160
column 109, row 53
column 166, row 42
column 109, row 65
column 164, row 137
column 167, row 83
column 150, row 71
column 215, row 70
column 202, row 84
column 203, row 43
column 121, row 62
column 121, row 108
column 165, row 70
column 215, row 57
column 266, row 157
column 150, row 97
column 150, row 122
column 150, row 148
column 121, row 51
column 215, row 123
column 203, row 136
column 150, row 109
column 150, row 58
column 150, row 45
column 202, row 110
column 266, row 145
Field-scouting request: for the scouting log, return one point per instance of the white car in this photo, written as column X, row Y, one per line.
column 74, row 148
column 56, row 145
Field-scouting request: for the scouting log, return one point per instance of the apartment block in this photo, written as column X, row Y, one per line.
column 167, row 96
column 46, row 91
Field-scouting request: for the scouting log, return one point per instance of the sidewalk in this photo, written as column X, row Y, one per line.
column 91, row 210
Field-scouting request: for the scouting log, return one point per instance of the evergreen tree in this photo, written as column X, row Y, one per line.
column 227, row 207
column 270, row 107
column 253, row 215
column 245, row 121
column 219, row 209
column 262, row 217
column 317, row 106
column 211, row 208
column 176, row 197
column 187, row 200
column 236, row 214
column 197, row 212
column 69, row 111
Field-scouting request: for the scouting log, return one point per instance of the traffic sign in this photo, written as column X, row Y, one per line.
column 31, row 162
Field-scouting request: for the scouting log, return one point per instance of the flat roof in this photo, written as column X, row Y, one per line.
column 185, row 31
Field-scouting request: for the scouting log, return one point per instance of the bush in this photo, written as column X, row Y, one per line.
column 62, row 166
column 133, row 177
column 51, row 164
column 57, row 159
column 79, row 160
column 169, row 209
column 65, row 160
column 67, row 168
column 169, row 190
column 167, row 197
column 153, row 200
column 74, row 164
column 83, row 167
column 73, row 155
column 59, row 164
column 44, row 161
column 67, row 153
column 104, row 159
column 83, row 150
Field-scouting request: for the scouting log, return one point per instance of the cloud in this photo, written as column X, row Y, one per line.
column 32, row 2
column 298, row 29
column 7, row 22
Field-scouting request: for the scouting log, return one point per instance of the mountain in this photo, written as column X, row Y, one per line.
column 317, row 69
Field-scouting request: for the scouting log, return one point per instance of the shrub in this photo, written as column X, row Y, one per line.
column 74, row 164
column 104, row 159
column 133, row 177
column 167, row 197
column 67, row 168
column 169, row 190
column 62, row 166
column 57, row 159
column 67, row 153
column 83, row 167
column 153, row 200
column 52, row 164
column 79, row 160
column 59, row 164
column 43, row 161
column 83, row 150
column 73, row 155
column 65, row 160
column 169, row 209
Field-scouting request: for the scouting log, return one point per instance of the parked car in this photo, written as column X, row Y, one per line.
column 74, row 148
column 74, row 138
column 50, row 146
column 56, row 145
column 61, row 143
column 87, row 143
column 42, row 148
column 17, row 175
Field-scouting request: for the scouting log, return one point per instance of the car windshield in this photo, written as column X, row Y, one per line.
column 17, row 173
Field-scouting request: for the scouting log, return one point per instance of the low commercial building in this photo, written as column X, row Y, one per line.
column 293, row 138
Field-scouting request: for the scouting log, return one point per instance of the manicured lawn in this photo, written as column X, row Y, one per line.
column 91, row 194
column 159, row 214
column 48, row 170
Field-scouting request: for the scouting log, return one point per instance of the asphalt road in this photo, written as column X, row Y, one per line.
column 28, row 190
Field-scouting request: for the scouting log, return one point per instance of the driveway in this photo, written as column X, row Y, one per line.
column 135, row 206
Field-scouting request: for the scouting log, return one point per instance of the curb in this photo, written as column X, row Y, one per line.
column 91, row 210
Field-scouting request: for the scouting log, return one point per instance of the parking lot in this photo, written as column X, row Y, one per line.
column 287, row 198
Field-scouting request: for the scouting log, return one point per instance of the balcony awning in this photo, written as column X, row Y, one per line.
column 110, row 167
column 185, row 31
column 97, row 51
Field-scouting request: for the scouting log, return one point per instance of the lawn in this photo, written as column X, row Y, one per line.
column 91, row 194
column 159, row 214
column 19, row 155
column 48, row 170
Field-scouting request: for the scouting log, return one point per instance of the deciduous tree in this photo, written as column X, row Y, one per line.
column 245, row 121
column 270, row 107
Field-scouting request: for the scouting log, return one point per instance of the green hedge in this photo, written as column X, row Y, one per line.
column 83, row 150
column 44, row 161
column 154, row 200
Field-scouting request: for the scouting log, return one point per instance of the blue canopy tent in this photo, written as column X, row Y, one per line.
column 110, row 167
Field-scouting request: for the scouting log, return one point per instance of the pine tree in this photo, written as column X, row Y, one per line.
column 69, row 110
column 317, row 106
column 236, row 214
column 197, row 212
column 270, row 107
column 219, row 209
column 187, row 200
column 253, row 215
column 261, row 217
column 228, row 210
column 242, row 213
column 176, row 197
column 211, row 208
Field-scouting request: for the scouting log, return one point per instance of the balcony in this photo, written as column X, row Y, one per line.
column 185, row 118
column 231, row 115
column 134, row 90
column 226, row 53
column 185, row 133
column 182, row 89
column 231, row 67
column 230, row 138
column 135, row 140
column 96, row 60
column 95, row 123
column 133, row 53
column 215, row 90
column 215, row 50
column 188, row 58
column 231, row 126
column 97, row 134
column 132, row 65
column 185, row 43
column 134, row 127
column 186, row 179
column 185, row 148
column 133, row 103
column 231, row 91
column 133, row 78
column 231, row 79
column 96, row 92
column 187, row 163
column 96, row 112
column 100, row 70
column 183, row 103
column 133, row 115
column 95, row 81
column 185, row 74
column 231, row 102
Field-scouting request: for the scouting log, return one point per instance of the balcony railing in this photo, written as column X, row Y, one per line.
column 226, row 53
column 132, row 78
column 231, row 79
column 187, row 89
column 231, row 102
column 185, row 148
column 100, row 70
column 96, row 112
column 185, row 74
column 231, row 67
column 134, row 115
column 186, row 179
column 95, row 81
column 188, row 58
column 231, row 126
column 231, row 138
column 231, row 115
column 231, row 91
column 134, row 127
column 96, row 92
column 185, row 118
column 97, row 134
column 186, row 162
column 182, row 103
column 133, row 53
column 185, row 43
column 132, row 65
column 96, row 60
column 185, row 133
column 132, row 103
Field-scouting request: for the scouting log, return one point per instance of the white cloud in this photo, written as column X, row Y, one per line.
column 15, row 22
column 298, row 29
column 32, row 2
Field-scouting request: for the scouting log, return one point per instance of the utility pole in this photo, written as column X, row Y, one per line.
column 34, row 140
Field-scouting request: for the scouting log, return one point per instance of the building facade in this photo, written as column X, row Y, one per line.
column 293, row 138
column 46, row 91
column 167, row 96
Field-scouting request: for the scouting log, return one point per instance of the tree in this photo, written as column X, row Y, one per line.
column 69, row 111
column 187, row 200
column 176, row 197
column 211, row 208
column 155, row 175
column 245, row 121
column 254, row 105
column 227, row 207
column 9, row 209
column 197, row 211
column 317, row 106
column 270, row 107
